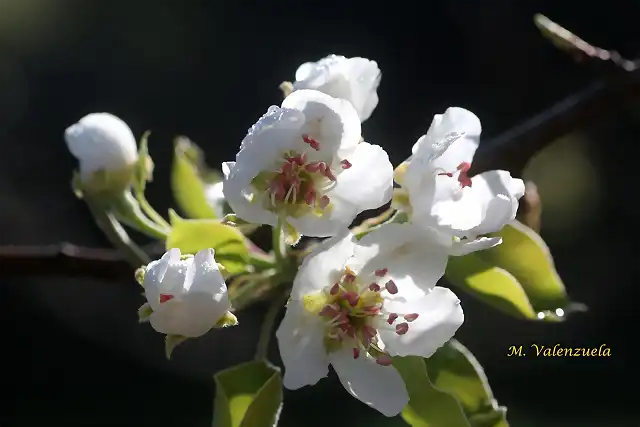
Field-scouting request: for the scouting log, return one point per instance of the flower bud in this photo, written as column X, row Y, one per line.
column 106, row 150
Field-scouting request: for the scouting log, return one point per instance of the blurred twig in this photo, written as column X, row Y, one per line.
column 618, row 84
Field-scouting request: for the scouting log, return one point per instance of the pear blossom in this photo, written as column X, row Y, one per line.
column 354, row 79
column 186, row 296
column 355, row 305
column 438, row 192
column 303, row 165
column 101, row 142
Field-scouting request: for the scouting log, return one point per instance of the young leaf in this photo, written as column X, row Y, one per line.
column 526, row 256
column 192, row 235
column 490, row 284
column 428, row 406
column 248, row 395
column 454, row 370
column 190, row 178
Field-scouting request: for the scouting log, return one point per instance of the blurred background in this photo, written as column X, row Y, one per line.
column 73, row 353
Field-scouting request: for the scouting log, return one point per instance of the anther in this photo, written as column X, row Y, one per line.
column 392, row 318
column 349, row 277
column 313, row 143
column 391, row 287
column 335, row 289
column 352, row 298
column 381, row 272
column 374, row 287
column 410, row 317
column 165, row 297
column 402, row 328
column 324, row 202
column 329, row 174
column 310, row 197
column 356, row 353
column 463, row 178
column 384, row 360
column 346, row 164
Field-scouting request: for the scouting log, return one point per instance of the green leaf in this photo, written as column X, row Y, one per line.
column 428, row 406
column 517, row 277
column 454, row 370
column 248, row 395
column 526, row 256
column 143, row 170
column 490, row 284
column 193, row 235
column 190, row 177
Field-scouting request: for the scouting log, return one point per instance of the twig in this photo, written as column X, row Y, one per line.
column 510, row 151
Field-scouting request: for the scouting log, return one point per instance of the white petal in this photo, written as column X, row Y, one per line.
column 242, row 199
column 332, row 121
column 300, row 340
column 207, row 277
column 369, row 164
column 324, row 265
column 214, row 195
column 380, row 387
column 465, row 247
column 440, row 316
column 340, row 216
column 312, row 75
column 455, row 120
column 497, row 193
column 363, row 77
column 415, row 258
column 191, row 315
column 101, row 141
column 154, row 275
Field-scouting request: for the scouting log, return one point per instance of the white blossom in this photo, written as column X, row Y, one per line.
column 304, row 163
column 354, row 305
column 438, row 192
column 354, row 79
column 101, row 142
column 187, row 296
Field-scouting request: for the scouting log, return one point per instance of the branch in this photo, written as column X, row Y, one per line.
column 619, row 84
column 68, row 260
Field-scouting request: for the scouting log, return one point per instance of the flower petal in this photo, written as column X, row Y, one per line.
column 191, row 315
column 243, row 200
column 363, row 76
column 332, row 121
column 154, row 275
column 369, row 164
column 207, row 277
column 340, row 216
column 440, row 316
column 324, row 265
column 415, row 258
column 300, row 340
column 465, row 247
column 454, row 121
column 380, row 387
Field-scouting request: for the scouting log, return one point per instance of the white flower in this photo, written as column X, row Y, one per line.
column 188, row 296
column 303, row 163
column 214, row 195
column 356, row 304
column 440, row 194
column 101, row 142
column 353, row 79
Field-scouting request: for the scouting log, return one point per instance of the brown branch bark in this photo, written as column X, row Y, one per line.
column 619, row 84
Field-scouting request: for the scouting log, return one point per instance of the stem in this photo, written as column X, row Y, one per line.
column 278, row 247
column 118, row 236
column 267, row 325
column 149, row 211
column 127, row 210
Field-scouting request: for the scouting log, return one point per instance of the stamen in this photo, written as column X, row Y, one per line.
column 410, row 317
column 335, row 289
column 329, row 174
column 374, row 287
column 402, row 328
column 392, row 318
column 463, row 178
column 313, row 166
column 391, row 287
column 312, row 142
column 346, row 164
column 310, row 197
column 384, row 360
column 165, row 298
column 352, row 298
column 381, row 272
column 356, row 353
column 349, row 277
column 324, row 202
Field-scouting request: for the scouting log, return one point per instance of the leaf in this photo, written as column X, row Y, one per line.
column 190, row 178
column 248, row 395
column 428, row 406
column 518, row 276
column 143, row 170
column 493, row 285
column 193, row 235
column 454, row 370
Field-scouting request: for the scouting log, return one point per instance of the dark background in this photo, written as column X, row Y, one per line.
column 72, row 351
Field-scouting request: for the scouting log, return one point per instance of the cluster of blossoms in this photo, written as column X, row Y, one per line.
column 305, row 168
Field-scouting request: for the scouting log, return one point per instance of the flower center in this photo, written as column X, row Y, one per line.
column 462, row 174
column 298, row 186
column 353, row 311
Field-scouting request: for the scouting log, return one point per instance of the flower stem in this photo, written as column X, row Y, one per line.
column 278, row 245
column 150, row 211
column 117, row 235
column 267, row 325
